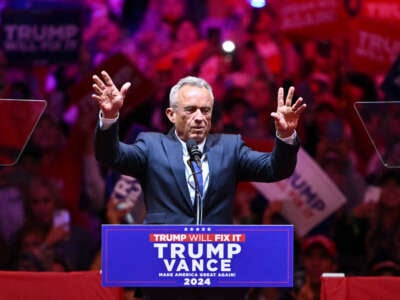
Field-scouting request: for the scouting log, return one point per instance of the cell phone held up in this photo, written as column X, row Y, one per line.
column 62, row 219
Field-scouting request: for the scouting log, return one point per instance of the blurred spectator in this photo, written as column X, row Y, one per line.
column 115, row 214
column 231, row 20
column 30, row 248
column 272, row 213
column 28, row 262
column 19, row 90
column 172, row 11
column 319, row 254
column 334, row 155
column 104, row 36
column 248, row 67
column 323, row 121
column 213, row 65
column 127, row 196
column 385, row 268
column 12, row 181
column 4, row 254
column 57, row 83
column 186, row 34
column 11, row 205
column 34, row 250
column 125, row 206
column 66, row 240
column 243, row 212
column 67, row 160
column 321, row 63
column 278, row 54
column 370, row 233
column 256, row 206
column 386, row 137
column 186, row 49
column 383, row 236
column 350, row 88
column 132, row 13
column 262, row 102
column 125, row 191
column 259, row 95
column 236, row 111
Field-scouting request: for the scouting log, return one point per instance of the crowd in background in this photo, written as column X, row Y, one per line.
column 167, row 40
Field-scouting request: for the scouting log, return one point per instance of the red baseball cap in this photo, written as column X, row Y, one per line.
column 321, row 241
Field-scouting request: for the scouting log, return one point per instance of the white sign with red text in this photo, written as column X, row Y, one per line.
column 309, row 196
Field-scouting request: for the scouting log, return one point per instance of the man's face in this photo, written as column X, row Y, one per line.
column 192, row 116
column 42, row 204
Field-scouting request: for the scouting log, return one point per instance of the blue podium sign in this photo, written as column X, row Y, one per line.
column 197, row 255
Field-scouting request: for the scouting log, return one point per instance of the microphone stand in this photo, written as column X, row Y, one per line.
column 198, row 199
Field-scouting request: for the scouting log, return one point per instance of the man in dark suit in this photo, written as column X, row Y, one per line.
column 159, row 161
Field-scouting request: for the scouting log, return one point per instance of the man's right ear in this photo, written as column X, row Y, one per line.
column 170, row 112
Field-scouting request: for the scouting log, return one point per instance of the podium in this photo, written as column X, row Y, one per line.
column 360, row 287
column 197, row 255
column 82, row 285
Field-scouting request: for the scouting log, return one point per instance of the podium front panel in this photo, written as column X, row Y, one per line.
column 197, row 255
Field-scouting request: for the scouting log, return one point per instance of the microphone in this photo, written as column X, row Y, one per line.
column 195, row 156
column 194, row 151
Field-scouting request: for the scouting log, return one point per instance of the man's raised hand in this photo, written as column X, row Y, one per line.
column 107, row 95
column 287, row 115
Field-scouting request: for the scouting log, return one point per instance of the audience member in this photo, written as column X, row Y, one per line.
column 4, row 254
column 384, row 268
column 65, row 240
column 318, row 254
column 383, row 236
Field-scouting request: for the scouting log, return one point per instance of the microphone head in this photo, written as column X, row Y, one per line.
column 193, row 149
column 190, row 143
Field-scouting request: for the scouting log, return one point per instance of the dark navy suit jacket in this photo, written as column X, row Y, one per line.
column 156, row 160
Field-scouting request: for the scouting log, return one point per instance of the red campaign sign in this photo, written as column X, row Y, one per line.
column 373, row 48
column 382, row 10
column 311, row 18
column 121, row 70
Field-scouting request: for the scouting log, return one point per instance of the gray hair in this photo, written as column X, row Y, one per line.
column 188, row 80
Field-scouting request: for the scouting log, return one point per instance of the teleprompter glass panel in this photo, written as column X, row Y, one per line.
column 18, row 119
column 381, row 120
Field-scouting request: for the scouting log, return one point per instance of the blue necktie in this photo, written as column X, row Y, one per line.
column 199, row 175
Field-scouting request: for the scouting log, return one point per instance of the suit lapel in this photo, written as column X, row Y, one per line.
column 214, row 154
column 175, row 154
